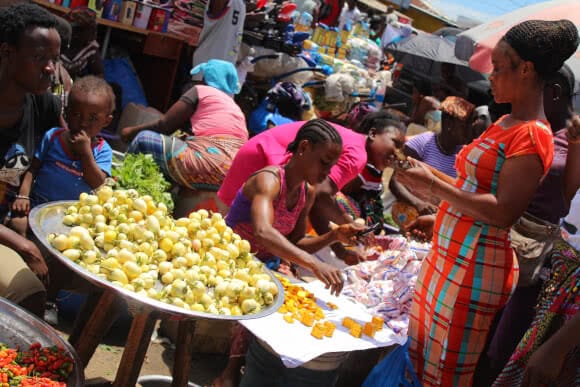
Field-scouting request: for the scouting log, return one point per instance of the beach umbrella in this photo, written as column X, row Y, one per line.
column 475, row 45
column 429, row 46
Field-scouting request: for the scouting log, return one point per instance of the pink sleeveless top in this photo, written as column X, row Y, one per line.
column 240, row 220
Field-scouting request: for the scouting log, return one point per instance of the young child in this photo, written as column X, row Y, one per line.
column 70, row 161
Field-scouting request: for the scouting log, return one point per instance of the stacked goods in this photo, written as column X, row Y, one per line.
column 38, row 366
column 300, row 305
column 385, row 285
column 196, row 263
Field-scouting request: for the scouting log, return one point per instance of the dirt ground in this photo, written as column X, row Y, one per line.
column 158, row 361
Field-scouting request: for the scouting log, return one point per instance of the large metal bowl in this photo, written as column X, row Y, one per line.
column 20, row 328
column 47, row 218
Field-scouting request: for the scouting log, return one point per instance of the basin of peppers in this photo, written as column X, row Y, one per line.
column 36, row 367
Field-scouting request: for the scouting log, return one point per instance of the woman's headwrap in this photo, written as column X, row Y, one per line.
column 457, row 107
column 219, row 74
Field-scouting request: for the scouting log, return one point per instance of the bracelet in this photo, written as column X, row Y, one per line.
column 574, row 140
column 22, row 197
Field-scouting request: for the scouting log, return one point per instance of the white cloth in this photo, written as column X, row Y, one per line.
column 221, row 37
column 303, row 347
column 573, row 219
column 347, row 16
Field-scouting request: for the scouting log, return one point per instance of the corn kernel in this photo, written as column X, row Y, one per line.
column 369, row 329
column 356, row 330
column 329, row 329
column 331, row 305
column 378, row 322
column 348, row 322
column 318, row 331
column 289, row 318
column 307, row 319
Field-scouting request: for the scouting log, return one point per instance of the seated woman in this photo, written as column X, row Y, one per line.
column 219, row 127
column 437, row 150
column 271, row 208
column 375, row 143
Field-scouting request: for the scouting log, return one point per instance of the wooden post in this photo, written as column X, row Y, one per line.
column 93, row 323
column 183, row 350
column 135, row 349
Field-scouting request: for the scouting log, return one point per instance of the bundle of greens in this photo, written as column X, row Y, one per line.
column 140, row 172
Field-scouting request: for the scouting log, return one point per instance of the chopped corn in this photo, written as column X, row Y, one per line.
column 369, row 329
column 378, row 322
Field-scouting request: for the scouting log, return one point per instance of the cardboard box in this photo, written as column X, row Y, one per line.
column 127, row 14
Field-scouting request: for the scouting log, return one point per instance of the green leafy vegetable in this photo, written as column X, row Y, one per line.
column 140, row 172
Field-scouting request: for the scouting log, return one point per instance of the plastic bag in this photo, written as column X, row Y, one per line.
column 392, row 370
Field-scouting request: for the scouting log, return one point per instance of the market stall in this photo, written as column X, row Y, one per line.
column 24, row 340
column 150, row 289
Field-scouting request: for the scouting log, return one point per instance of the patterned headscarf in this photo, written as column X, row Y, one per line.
column 457, row 107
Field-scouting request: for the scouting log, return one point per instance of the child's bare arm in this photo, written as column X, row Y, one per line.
column 21, row 205
column 80, row 144
column 92, row 173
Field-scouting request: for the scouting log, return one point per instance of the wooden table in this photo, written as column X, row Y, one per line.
column 95, row 320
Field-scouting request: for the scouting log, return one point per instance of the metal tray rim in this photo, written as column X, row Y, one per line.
column 35, row 220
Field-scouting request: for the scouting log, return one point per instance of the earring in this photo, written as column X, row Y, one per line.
column 556, row 98
column 299, row 154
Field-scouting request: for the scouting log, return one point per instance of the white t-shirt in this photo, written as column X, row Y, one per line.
column 571, row 230
column 221, row 37
column 347, row 15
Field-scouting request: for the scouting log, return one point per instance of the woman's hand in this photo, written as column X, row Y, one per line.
column 329, row 275
column 21, row 207
column 421, row 228
column 347, row 233
column 34, row 259
column 128, row 133
column 544, row 366
column 573, row 127
column 419, row 178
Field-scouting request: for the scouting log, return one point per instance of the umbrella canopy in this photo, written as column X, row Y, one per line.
column 435, row 48
column 477, row 43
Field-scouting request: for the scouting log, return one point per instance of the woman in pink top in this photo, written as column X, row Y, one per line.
column 218, row 125
column 374, row 144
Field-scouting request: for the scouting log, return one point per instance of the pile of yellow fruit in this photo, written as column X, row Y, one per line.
column 196, row 263
column 300, row 305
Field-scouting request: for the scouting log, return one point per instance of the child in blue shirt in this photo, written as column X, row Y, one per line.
column 70, row 160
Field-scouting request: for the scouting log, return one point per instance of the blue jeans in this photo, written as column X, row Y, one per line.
column 264, row 369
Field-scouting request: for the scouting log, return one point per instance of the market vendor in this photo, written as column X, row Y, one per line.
column 218, row 125
column 374, row 144
column 29, row 48
column 271, row 208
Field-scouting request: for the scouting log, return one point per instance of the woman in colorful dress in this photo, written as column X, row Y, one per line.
column 471, row 270
column 201, row 161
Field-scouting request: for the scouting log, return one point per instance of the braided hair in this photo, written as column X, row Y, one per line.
column 14, row 20
column 316, row 131
column 381, row 122
column 547, row 44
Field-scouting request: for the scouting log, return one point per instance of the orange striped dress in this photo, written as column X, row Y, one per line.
column 471, row 270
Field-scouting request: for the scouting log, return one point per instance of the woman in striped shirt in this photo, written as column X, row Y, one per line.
column 438, row 150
